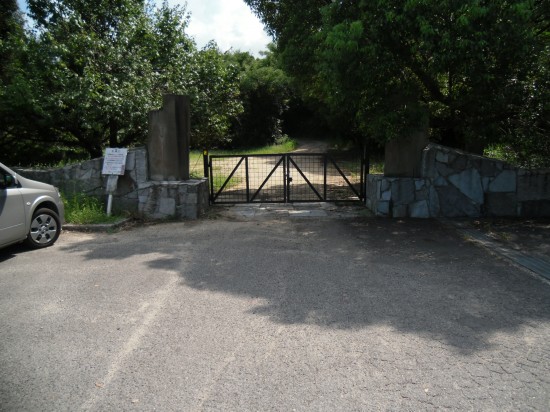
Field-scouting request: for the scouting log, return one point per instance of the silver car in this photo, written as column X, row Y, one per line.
column 30, row 211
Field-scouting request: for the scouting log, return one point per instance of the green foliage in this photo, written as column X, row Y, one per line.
column 265, row 91
column 85, row 210
column 90, row 72
column 472, row 72
column 215, row 87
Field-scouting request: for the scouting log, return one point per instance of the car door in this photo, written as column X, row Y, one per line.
column 12, row 210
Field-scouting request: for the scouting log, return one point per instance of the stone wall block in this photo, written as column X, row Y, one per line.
column 421, row 194
column 500, row 204
column 167, row 206
column 433, row 202
column 429, row 154
column 191, row 211
column 533, row 186
column 382, row 208
column 192, row 198
column 505, row 181
column 489, row 168
column 535, row 208
column 403, row 191
column 469, row 183
column 485, row 181
column 453, row 203
column 460, row 163
column 442, row 157
column 420, row 209
column 440, row 181
column 400, row 211
column 193, row 186
column 443, row 170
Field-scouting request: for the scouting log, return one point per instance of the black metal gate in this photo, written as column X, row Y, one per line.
column 282, row 178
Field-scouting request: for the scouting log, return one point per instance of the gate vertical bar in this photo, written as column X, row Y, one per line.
column 211, row 180
column 247, row 180
column 205, row 162
column 325, row 177
column 286, row 183
column 365, row 174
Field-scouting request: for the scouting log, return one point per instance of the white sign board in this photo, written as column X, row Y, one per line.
column 114, row 162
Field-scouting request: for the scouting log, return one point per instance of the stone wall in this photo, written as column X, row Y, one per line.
column 135, row 192
column 459, row 184
column 86, row 178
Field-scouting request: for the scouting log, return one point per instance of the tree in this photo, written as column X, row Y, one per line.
column 94, row 69
column 470, row 67
column 265, row 91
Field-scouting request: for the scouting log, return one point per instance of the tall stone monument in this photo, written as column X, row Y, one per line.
column 403, row 157
column 168, row 142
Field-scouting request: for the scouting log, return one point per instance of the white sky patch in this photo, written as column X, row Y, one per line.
column 230, row 23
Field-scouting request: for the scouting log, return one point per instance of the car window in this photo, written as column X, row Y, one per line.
column 6, row 180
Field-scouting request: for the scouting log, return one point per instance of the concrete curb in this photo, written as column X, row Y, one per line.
column 102, row 227
column 536, row 263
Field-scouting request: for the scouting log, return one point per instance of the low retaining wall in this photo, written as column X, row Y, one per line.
column 135, row 192
column 161, row 200
column 459, row 184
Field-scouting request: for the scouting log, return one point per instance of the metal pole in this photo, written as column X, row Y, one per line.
column 205, row 161
column 109, row 204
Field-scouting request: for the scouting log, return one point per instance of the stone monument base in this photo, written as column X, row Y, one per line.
column 173, row 199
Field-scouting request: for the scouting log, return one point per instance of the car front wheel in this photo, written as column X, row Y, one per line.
column 45, row 229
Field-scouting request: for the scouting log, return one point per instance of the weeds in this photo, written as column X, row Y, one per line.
column 82, row 209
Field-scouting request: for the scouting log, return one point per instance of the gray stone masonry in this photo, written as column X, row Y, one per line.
column 135, row 192
column 86, row 178
column 454, row 183
column 174, row 200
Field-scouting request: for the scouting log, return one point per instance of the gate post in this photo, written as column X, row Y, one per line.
column 205, row 161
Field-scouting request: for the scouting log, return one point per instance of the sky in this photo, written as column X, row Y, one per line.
column 230, row 23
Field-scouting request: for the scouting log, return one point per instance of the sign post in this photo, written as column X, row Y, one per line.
column 114, row 165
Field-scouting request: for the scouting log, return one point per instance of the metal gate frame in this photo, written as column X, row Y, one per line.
column 287, row 161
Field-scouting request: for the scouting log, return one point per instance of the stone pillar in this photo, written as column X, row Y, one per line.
column 403, row 157
column 168, row 142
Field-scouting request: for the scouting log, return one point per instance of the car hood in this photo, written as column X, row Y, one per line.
column 33, row 184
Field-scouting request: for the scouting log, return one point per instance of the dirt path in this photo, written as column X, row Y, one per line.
column 311, row 146
column 265, row 175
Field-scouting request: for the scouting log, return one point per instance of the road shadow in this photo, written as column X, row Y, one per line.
column 12, row 251
column 413, row 276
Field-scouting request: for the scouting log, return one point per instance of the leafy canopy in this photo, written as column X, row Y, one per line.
column 475, row 71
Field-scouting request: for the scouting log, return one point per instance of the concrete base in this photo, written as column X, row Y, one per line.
column 173, row 199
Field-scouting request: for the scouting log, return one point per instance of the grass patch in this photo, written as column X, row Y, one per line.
column 376, row 167
column 81, row 209
column 220, row 180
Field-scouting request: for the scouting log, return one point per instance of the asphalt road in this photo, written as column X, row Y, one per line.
column 221, row 314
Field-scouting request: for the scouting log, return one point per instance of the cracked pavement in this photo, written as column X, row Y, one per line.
column 272, row 314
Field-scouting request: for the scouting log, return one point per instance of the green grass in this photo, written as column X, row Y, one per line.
column 376, row 167
column 81, row 209
column 220, row 180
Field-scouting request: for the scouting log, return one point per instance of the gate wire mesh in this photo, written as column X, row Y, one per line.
column 285, row 178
